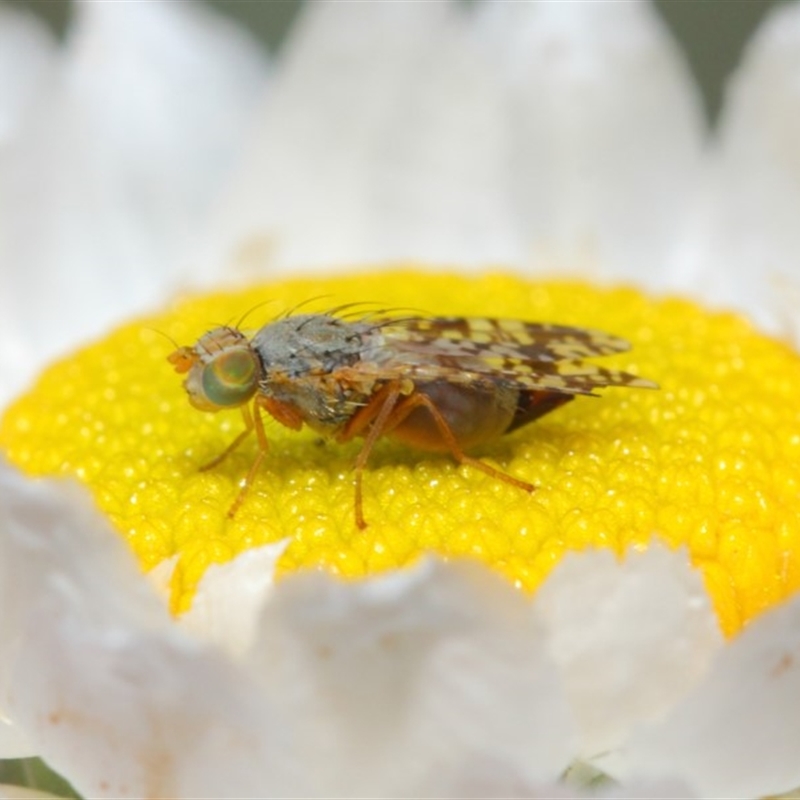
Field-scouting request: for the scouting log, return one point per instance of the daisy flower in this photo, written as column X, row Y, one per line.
column 635, row 620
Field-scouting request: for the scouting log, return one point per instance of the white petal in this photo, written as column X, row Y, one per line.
column 8, row 792
column 104, row 186
column 631, row 638
column 738, row 733
column 13, row 742
column 161, row 576
column 383, row 139
column 383, row 686
column 27, row 63
column 231, row 596
column 27, row 59
column 665, row 789
column 115, row 697
column 411, row 674
column 482, row 777
column 608, row 131
column 746, row 246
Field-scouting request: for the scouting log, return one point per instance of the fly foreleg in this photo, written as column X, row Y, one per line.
column 247, row 416
column 257, row 424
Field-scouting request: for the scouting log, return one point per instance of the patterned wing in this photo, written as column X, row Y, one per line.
column 531, row 356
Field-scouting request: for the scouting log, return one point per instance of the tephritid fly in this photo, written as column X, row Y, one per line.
column 441, row 384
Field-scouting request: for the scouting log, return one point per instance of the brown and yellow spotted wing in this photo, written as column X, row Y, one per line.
column 530, row 356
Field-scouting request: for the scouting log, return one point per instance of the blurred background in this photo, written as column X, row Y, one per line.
column 712, row 32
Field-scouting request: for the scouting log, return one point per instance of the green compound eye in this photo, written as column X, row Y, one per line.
column 231, row 378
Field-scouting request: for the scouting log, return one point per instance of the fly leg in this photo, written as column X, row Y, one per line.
column 257, row 424
column 254, row 422
column 416, row 400
column 375, row 415
column 388, row 409
column 248, row 429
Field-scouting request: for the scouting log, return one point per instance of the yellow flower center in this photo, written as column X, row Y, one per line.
column 708, row 462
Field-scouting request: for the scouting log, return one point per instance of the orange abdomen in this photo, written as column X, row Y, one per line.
column 475, row 414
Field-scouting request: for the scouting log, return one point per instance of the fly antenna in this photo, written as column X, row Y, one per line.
column 166, row 336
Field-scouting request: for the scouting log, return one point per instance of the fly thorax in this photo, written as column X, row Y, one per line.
column 312, row 343
column 300, row 356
